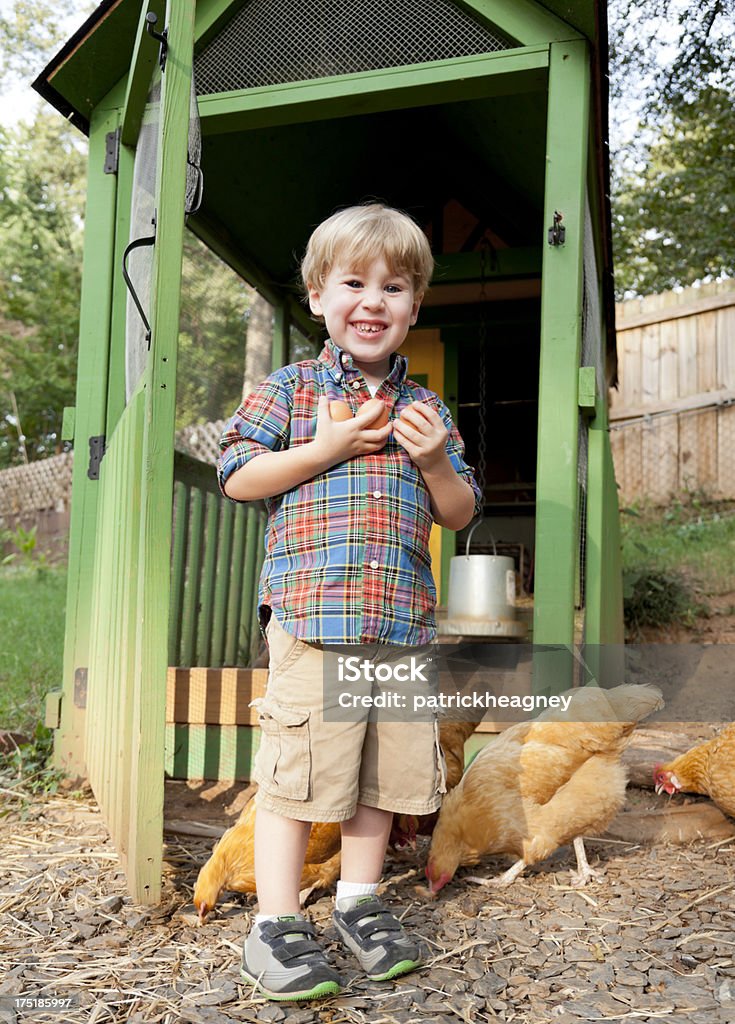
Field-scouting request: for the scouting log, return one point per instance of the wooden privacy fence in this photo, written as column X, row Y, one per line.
column 672, row 419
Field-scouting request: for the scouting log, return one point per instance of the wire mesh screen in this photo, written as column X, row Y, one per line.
column 272, row 41
column 140, row 260
column 592, row 355
column 671, row 455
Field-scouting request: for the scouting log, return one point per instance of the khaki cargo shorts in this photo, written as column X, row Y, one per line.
column 313, row 770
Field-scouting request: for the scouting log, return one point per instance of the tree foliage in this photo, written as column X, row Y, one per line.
column 213, row 329
column 42, row 183
column 29, row 32
column 673, row 69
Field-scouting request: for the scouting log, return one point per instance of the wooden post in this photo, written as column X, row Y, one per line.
column 149, row 711
column 604, row 634
column 561, row 335
column 94, row 339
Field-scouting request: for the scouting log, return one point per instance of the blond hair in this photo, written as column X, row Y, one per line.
column 358, row 235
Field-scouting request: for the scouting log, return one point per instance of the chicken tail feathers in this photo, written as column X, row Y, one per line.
column 633, row 702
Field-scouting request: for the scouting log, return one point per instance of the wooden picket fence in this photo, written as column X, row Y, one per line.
column 672, row 418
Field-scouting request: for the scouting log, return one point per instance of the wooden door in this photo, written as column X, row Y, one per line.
column 129, row 627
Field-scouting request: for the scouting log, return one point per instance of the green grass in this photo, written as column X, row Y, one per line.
column 32, row 605
column 694, row 538
column 674, row 559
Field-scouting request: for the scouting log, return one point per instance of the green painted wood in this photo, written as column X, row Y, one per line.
column 91, row 390
column 67, row 423
column 281, row 329
column 211, row 751
column 224, row 574
column 523, row 20
column 587, row 389
column 193, row 581
column 561, row 328
column 159, row 384
column 116, row 369
column 114, row 640
column 463, row 78
column 178, row 571
column 604, row 604
column 250, row 579
column 212, row 16
column 195, row 473
column 232, row 631
column 98, row 61
column 206, row 615
column 145, row 58
column 255, row 638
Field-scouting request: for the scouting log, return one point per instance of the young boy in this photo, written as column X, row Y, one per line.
column 350, row 508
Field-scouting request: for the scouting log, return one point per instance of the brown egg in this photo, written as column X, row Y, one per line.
column 340, row 410
column 371, row 405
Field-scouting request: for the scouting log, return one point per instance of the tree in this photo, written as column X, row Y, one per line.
column 673, row 211
column 29, row 33
column 672, row 68
column 213, row 328
column 42, row 184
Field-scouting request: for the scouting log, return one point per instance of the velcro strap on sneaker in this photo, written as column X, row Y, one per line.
column 381, row 925
column 287, row 951
column 278, row 928
column 370, row 908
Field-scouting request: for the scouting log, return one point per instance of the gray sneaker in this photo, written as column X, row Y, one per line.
column 284, row 961
column 377, row 939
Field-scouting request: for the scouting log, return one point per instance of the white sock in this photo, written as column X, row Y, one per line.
column 347, row 893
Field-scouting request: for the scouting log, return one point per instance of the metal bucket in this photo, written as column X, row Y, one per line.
column 481, row 586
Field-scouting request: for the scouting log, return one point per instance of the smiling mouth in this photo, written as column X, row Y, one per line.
column 365, row 328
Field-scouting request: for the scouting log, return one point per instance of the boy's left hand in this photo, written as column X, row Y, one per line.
column 421, row 431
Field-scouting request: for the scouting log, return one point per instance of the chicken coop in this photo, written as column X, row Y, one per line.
column 247, row 122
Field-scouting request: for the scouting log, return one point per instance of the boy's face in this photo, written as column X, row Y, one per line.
column 367, row 312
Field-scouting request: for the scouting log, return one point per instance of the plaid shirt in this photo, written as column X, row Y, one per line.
column 347, row 552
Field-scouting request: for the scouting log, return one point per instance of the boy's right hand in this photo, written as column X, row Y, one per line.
column 337, row 441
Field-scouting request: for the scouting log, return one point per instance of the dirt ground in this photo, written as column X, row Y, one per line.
column 653, row 940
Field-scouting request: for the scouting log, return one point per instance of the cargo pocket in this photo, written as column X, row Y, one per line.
column 441, row 762
column 283, row 763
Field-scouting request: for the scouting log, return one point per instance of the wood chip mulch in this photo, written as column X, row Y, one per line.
column 653, row 941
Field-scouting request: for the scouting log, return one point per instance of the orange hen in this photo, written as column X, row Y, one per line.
column 231, row 865
column 541, row 784
column 708, row 768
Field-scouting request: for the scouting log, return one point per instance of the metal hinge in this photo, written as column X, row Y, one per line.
column 96, row 451
column 112, row 151
column 80, row 688
column 557, row 233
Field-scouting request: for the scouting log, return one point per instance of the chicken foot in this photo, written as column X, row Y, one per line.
column 506, row 879
column 584, row 872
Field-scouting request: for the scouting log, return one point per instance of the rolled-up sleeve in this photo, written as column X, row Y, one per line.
column 261, row 424
column 455, row 451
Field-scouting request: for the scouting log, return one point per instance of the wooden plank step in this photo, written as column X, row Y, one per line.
column 214, row 696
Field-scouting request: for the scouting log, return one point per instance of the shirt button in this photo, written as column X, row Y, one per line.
column 375, row 565
column 356, row 384
column 377, row 494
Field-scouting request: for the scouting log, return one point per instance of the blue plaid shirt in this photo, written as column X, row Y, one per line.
column 347, row 552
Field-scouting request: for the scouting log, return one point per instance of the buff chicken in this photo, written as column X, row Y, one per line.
column 452, row 736
column 540, row 785
column 708, row 768
column 231, row 864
